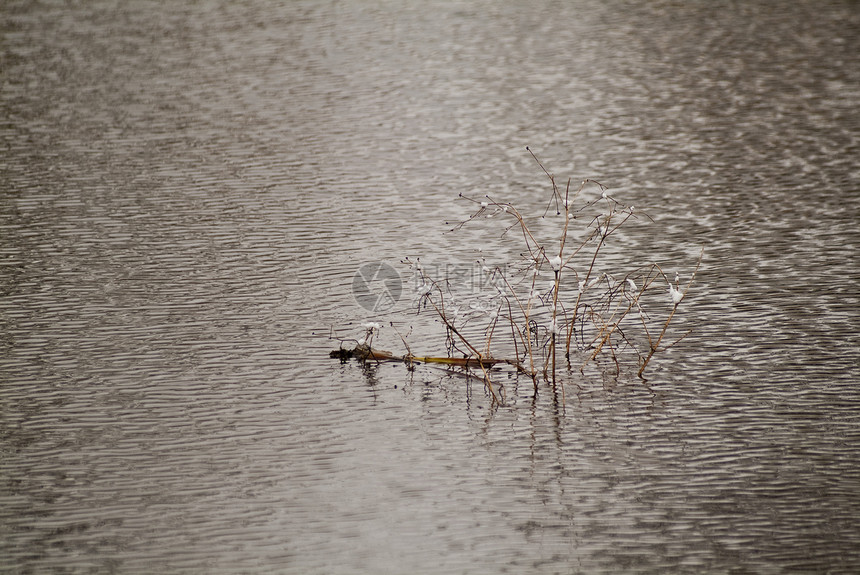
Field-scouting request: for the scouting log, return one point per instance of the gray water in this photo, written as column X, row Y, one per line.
column 188, row 189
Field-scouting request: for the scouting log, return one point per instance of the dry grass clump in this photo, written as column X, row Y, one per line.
column 553, row 311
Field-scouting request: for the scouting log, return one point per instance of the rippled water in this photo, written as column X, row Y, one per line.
column 187, row 190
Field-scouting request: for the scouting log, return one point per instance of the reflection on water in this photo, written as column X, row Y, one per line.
column 187, row 191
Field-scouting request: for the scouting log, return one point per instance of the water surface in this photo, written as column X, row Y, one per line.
column 186, row 193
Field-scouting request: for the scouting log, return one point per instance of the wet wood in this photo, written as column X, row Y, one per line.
column 364, row 353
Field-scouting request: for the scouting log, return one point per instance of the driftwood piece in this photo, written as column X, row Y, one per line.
column 363, row 353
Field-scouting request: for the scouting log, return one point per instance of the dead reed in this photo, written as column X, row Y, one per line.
column 580, row 315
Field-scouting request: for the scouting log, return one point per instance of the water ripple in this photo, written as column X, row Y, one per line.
column 188, row 191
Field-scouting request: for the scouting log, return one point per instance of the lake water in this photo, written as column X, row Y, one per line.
column 187, row 191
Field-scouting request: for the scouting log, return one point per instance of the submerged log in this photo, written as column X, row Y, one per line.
column 363, row 353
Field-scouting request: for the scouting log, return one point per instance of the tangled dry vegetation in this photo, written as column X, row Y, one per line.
column 552, row 311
